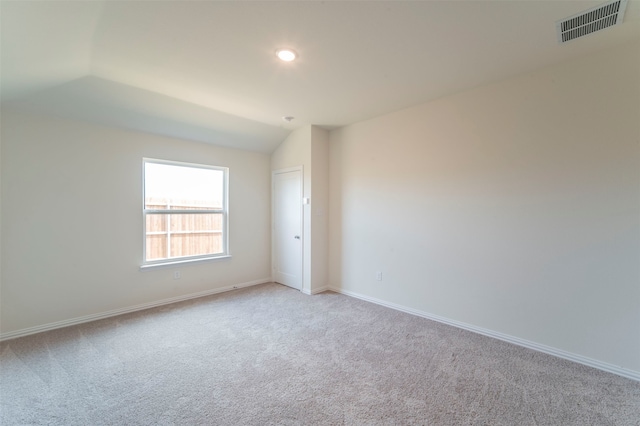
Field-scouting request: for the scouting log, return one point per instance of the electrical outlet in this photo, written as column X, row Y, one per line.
column 378, row 276
column 176, row 275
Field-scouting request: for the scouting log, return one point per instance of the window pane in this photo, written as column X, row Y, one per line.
column 156, row 247
column 180, row 235
column 156, row 238
column 195, row 222
column 181, row 188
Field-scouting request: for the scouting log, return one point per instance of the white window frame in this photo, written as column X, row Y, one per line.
column 224, row 211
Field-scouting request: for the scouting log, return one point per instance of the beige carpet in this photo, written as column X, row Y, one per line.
column 270, row 355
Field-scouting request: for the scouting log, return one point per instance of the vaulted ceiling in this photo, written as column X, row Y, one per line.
column 206, row 70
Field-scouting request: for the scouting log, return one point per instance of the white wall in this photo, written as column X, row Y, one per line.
column 513, row 207
column 309, row 147
column 319, row 208
column 72, row 221
column 1, row 192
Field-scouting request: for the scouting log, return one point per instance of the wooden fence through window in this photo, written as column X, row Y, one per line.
column 179, row 235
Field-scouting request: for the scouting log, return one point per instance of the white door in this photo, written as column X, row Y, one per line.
column 287, row 227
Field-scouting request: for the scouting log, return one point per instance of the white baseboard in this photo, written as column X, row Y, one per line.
column 112, row 313
column 320, row 290
column 610, row 368
column 315, row 291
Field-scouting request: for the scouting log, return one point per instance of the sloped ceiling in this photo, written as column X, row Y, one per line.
column 206, row 70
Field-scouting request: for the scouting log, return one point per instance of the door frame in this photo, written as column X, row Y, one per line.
column 299, row 169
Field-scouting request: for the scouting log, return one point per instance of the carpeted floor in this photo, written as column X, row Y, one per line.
column 270, row 355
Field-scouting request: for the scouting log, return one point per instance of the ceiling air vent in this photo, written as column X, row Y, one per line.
column 590, row 21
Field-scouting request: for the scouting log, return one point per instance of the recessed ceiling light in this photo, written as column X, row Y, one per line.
column 286, row 55
column 288, row 118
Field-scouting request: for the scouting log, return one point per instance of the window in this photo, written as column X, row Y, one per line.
column 185, row 212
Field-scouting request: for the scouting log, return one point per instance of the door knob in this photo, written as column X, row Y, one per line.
column 297, row 237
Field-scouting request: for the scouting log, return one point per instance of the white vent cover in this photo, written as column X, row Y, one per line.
column 592, row 20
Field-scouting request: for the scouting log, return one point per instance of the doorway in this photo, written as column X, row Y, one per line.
column 287, row 227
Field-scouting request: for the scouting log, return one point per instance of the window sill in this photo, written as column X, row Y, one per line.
column 170, row 263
